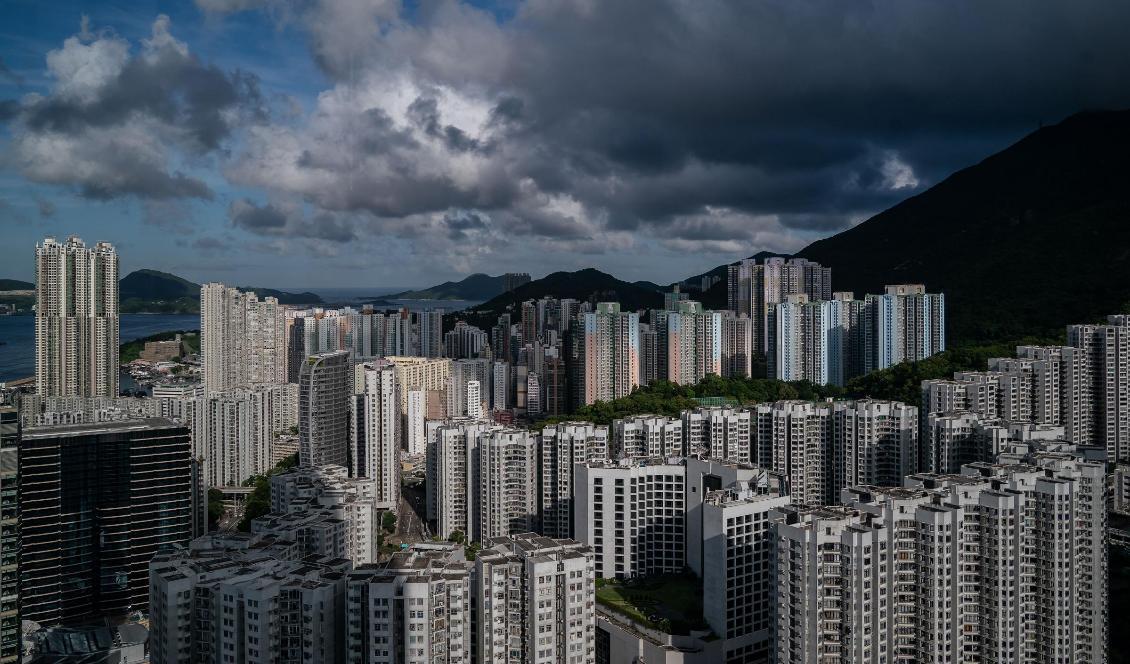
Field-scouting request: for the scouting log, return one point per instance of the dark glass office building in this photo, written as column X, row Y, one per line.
column 97, row 502
column 9, row 536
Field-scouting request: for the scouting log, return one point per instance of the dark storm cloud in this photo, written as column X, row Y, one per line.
column 710, row 120
column 459, row 222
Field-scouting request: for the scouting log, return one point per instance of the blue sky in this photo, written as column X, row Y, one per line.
column 377, row 143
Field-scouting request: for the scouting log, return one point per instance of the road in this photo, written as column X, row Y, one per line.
column 412, row 525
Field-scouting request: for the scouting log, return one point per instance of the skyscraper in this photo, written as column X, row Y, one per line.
column 76, row 319
column 908, row 324
column 97, row 502
column 429, row 333
column 325, row 385
column 9, row 536
column 753, row 288
column 375, row 421
column 694, row 343
column 243, row 339
column 737, row 345
column 611, row 353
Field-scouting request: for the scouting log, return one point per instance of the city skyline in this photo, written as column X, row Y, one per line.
column 317, row 134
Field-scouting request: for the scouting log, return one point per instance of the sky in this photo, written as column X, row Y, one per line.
column 385, row 143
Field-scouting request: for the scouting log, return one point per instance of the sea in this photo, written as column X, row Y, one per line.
column 17, row 332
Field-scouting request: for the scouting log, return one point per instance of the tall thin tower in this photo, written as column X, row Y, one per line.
column 76, row 318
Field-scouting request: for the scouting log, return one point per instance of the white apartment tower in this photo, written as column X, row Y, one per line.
column 452, row 476
column 718, row 433
column 374, row 421
column 474, row 402
column 647, row 436
column 76, row 319
column 561, row 448
column 507, row 495
column 908, row 324
column 753, row 288
column 233, row 430
column 242, row 338
column 534, row 600
column 415, row 609
column 633, row 516
column 238, row 599
column 999, row 564
column 611, row 353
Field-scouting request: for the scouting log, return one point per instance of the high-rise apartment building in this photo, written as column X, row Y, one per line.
column 1106, row 352
column 327, row 512
column 737, row 547
column 234, row 430
column 242, row 338
column 463, row 372
column 753, row 288
column 76, row 319
column 823, row 447
column 414, row 609
column 611, row 353
column 561, row 447
column 97, row 502
column 375, row 422
column 465, row 341
column 325, row 388
column 737, row 345
column 235, row 598
column 453, row 476
column 533, row 599
column 507, row 494
column 512, row 280
column 647, row 437
column 429, row 333
column 10, row 632
column 718, row 433
column 908, row 325
column 1001, row 563
column 823, row 342
column 632, row 514
column 694, row 343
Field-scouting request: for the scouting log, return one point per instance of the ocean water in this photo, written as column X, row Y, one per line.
column 17, row 353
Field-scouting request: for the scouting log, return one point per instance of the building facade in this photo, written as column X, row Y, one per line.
column 76, row 319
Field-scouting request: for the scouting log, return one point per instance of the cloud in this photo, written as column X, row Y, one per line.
column 46, row 208
column 288, row 220
column 555, row 128
column 119, row 124
column 7, row 73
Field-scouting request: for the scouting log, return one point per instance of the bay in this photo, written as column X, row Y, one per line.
column 17, row 353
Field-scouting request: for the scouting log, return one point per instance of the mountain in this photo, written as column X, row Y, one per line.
column 155, row 285
column 156, row 291
column 15, row 284
column 588, row 284
column 477, row 286
column 1031, row 239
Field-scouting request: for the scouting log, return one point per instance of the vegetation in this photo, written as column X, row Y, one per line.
column 388, row 522
column 215, row 507
column 903, row 382
column 586, row 285
column 259, row 502
column 471, row 550
column 671, row 603
column 153, row 291
column 475, row 287
column 666, row 398
column 131, row 350
column 15, row 285
column 997, row 229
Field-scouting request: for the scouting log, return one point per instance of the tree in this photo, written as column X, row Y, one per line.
column 457, row 537
column 388, row 521
column 215, row 507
